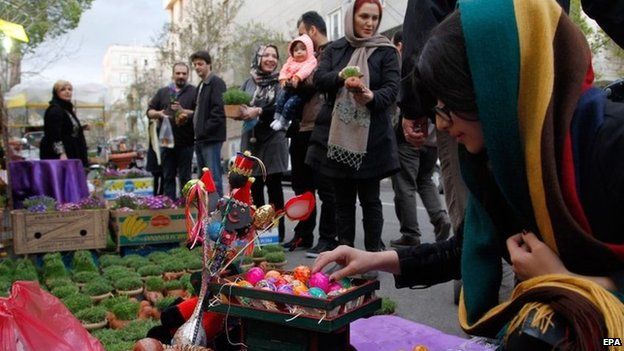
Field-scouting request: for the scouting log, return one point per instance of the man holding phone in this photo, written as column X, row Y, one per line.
column 417, row 165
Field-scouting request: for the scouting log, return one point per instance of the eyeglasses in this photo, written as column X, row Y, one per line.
column 447, row 115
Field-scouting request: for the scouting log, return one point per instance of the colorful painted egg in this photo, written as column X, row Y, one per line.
column 244, row 284
column 298, row 290
column 295, row 283
column 254, row 275
column 318, row 293
column 214, row 229
column 334, row 293
column 272, row 274
column 302, row 274
column 345, row 282
column 288, row 278
column 333, row 287
column 319, row 280
column 286, row 289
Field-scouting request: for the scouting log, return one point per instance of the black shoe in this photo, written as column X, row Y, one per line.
column 405, row 240
column 322, row 246
column 298, row 242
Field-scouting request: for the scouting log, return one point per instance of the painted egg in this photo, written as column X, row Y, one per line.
column 214, row 229
column 345, row 282
column 318, row 293
column 286, row 289
column 288, row 278
column 333, row 287
column 295, row 283
column 305, row 294
column 254, row 275
column 265, row 285
column 272, row 274
column 280, row 281
column 298, row 290
column 319, row 280
column 244, row 284
column 334, row 293
column 302, row 274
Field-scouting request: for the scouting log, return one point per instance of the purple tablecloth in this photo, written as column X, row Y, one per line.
column 63, row 180
column 393, row 333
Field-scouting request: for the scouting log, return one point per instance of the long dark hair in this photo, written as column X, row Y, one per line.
column 443, row 66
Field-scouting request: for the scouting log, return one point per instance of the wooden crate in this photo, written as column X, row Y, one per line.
column 149, row 226
column 58, row 231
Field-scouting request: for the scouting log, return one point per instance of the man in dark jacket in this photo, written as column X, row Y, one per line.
column 209, row 117
column 175, row 102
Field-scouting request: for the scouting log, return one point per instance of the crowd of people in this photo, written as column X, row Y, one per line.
column 499, row 90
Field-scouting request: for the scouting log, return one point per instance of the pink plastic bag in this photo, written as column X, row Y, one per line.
column 32, row 319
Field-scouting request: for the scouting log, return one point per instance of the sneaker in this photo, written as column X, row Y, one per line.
column 404, row 241
column 297, row 243
column 320, row 247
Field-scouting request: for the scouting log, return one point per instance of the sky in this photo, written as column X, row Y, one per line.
column 107, row 22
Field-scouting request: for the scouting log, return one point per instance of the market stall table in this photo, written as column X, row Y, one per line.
column 382, row 333
column 63, row 180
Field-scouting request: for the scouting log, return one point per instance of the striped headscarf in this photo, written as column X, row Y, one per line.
column 531, row 71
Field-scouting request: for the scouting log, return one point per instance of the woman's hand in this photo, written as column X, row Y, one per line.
column 249, row 112
column 530, row 257
column 364, row 97
column 357, row 261
column 86, row 127
column 63, row 156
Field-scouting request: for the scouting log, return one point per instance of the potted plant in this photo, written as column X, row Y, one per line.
column 273, row 248
column 150, row 270
column 81, row 278
column 158, row 256
column 114, row 273
column 25, row 270
column 93, row 318
column 108, row 303
column 83, row 262
column 64, row 291
column 130, row 286
column 194, row 264
column 175, row 288
column 5, row 287
column 98, row 290
column 165, row 302
column 258, row 255
column 276, row 260
column 135, row 261
column 154, row 287
column 110, row 260
column 387, row 306
column 122, row 313
column 173, row 268
column 352, row 77
column 54, row 269
column 77, row 302
column 233, row 98
column 55, row 283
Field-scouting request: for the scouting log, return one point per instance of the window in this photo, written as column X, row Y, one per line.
column 124, row 60
column 335, row 24
column 123, row 77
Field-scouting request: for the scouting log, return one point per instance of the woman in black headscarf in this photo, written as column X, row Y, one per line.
column 63, row 134
column 258, row 137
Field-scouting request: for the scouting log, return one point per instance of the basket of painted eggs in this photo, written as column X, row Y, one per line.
column 297, row 296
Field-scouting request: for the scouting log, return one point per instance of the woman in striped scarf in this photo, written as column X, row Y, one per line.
column 541, row 155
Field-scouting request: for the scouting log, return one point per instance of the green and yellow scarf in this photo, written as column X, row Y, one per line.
column 531, row 68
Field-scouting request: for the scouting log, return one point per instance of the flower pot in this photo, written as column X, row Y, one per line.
column 95, row 326
column 258, row 260
column 191, row 271
column 276, row 265
column 173, row 275
column 134, row 292
column 177, row 293
column 232, row 111
column 98, row 298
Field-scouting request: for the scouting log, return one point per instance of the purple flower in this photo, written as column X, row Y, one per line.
column 38, row 208
column 66, row 207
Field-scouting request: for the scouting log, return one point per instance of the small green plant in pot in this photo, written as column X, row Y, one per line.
column 98, row 289
column 135, row 261
column 81, row 278
column 123, row 312
column 93, row 318
column 258, row 255
column 83, row 262
column 165, row 302
column 150, row 270
column 64, row 291
column 387, row 306
column 54, row 269
column 110, row 260
column 246, row 262
column 273, row 248
column 130, row 286
column 194, row 264
column 77, row 302
column 276, row 260
column 233, row 98
column 175, row 288
column 154, row 287
column 173, row 268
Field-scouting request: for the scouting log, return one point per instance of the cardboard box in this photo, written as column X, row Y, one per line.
column 59, row 231
column 113, row 188
column 270, row 237
column 145, row 227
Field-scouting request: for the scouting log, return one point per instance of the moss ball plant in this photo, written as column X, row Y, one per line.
column 194, row 264
column 97, row 288
column 7, row 267
column 5, row 288
column 54, row 269
column 106, row 336
column 154, row 284
column 25, row 270
column 275, row 257
column 52, row 256
column 77, row 302
column 273, row 248
column 136, row 330
column 64, row 291
column 173, row 265
column 158, row 256
column 83, row 262
column 135, row 261
column 246, row 260
column 112, row 301
column 186, row 284
column 128, row 284
column 150, row 270
column 258, row 252
column 173, row 285
column 236, row 96
column 114, row 273
column 55, row 283
column 94, row 314
column 126, row 311
column 110, row 260
column 85, row 277
column 165, row 302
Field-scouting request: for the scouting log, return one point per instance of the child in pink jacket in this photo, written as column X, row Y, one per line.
column 299, row 66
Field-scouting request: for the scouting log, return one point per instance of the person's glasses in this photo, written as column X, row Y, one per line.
column 446, row 114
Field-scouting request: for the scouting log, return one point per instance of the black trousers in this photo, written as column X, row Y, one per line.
column 276, row 196
column 304, row 178
column 367, row 191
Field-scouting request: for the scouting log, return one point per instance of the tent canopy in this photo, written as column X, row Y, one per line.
column 37, row 95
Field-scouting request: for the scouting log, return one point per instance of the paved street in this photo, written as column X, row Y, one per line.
column 433, row 306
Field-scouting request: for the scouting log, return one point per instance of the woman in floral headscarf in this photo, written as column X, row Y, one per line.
column 258, row 137
column 352, row 142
